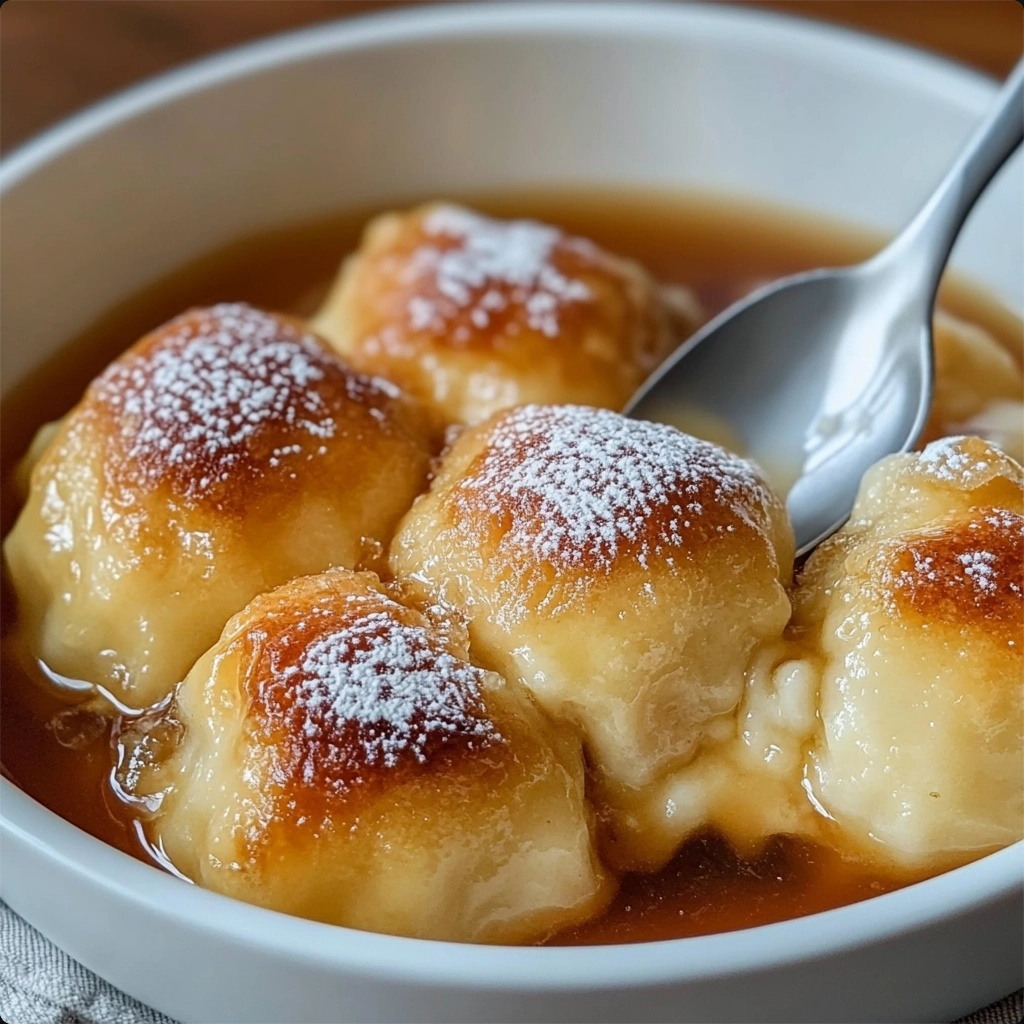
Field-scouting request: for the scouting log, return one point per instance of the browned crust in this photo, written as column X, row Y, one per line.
column 396, row 288
column 962, row 572
column 318, row 758
column 701, row 496
column 222, row 401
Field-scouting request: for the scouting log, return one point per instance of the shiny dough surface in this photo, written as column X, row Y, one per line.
column 916, row 609
column 337, row 756
column 228, row 451
column 623, row 571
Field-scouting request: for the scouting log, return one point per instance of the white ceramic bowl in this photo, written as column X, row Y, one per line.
column 438, row 101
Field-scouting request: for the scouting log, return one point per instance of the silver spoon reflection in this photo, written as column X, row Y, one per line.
column 831, row 370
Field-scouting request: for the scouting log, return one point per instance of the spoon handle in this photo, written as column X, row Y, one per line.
column 924, row 245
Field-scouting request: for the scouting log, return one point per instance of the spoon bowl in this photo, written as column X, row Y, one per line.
column 820, row 375
column 814, row 416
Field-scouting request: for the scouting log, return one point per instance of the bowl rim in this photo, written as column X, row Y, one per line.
column 391, row 958
column 971, row 90
column 35, row 828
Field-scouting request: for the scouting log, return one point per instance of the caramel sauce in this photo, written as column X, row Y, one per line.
column 63, row 756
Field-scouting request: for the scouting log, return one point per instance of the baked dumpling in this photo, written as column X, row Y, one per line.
column 472, row 314
column 915, row 613
column 338, row 757
column 625, row 572
column 224, row 453
column 979, row 387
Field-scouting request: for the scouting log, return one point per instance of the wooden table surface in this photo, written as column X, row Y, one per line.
column 56, row 56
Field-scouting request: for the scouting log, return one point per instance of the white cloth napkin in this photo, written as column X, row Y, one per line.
column 39, row 984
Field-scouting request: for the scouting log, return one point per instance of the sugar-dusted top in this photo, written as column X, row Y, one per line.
column 962, row 571
column 353, row 686
column 223, row 394
column 575, row 488
column 466, row 279
column 965, row 461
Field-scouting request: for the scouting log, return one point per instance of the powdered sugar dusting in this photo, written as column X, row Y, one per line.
column 950, row 460
column 1001, row 518
column 367, row 690
column 980, row 568
column 583, row 487
column 948, row 570
column 479, row 267
column 193, row 403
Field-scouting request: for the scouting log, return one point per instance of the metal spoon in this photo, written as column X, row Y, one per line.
column 831, row 370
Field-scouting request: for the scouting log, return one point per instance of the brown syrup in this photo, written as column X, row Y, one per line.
column 63, row 757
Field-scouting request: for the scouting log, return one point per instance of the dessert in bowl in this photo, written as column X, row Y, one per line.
column 636, row 766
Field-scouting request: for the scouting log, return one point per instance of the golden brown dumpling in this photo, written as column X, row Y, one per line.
column 625, row 572
column 224, row 453
column 341, row 759
column 915, row 611
column 472, row 314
